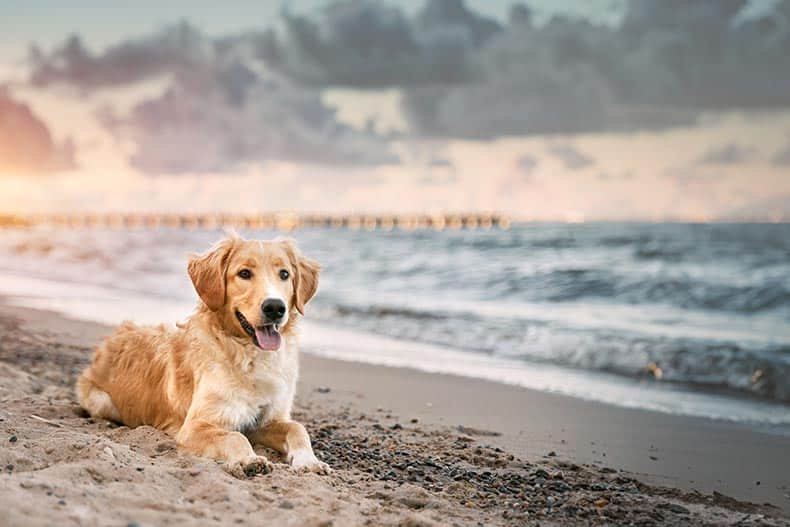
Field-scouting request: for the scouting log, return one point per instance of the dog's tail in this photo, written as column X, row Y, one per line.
column 96, row 401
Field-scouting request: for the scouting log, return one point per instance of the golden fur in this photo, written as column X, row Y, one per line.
column 206, row 382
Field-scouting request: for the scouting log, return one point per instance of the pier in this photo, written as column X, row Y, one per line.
column 267, row 221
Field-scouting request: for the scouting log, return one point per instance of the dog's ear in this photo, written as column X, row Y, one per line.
column 207, row 272
column 305, row 275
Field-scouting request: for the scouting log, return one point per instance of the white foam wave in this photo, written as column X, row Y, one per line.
column 109, row 306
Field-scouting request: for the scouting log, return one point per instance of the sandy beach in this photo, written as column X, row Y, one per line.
column 407, row 448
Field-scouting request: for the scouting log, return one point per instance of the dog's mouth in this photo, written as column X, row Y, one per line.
column 266, row 337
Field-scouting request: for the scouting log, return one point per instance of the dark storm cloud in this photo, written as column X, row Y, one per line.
column 466, row 76
column 463, row 75
column 365, row 43
column 26, row 145
column 571, row 157
column 666, row 63
column 174, row 50
column 728, row 154
column 220, row 109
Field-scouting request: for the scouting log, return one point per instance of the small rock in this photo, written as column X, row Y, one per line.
column 468, row 430
column 12, row 439
column 552, row 454
column 396, row 426
column 164, row 446
column 674, row 507
column 414, row 499
column 323, row 389
column 654, row 458
column 286, row 504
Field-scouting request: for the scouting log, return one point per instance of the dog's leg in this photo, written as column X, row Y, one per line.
column 209, row 440
column 290, row 439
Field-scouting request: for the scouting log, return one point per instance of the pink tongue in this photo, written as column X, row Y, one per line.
column 268, row 338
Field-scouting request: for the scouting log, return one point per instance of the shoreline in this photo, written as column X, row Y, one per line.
column 690, row 453
column 697, row 455
column 101, row 305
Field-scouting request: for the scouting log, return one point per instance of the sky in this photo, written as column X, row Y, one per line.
column 557, row 110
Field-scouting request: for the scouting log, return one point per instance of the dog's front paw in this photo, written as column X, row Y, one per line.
column 305, row 461
column 249, row 467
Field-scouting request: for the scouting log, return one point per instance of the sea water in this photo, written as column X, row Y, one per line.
column 688, row 319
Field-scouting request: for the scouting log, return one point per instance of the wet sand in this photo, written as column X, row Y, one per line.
column 407, row 448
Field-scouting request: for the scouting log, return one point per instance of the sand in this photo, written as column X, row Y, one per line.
column 407, row 448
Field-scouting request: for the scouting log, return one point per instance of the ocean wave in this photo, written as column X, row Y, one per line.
column 537, row 293
column 574, row 284
column 722, row 297
column 757, row 369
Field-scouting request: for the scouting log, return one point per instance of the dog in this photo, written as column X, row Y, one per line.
column 225, row 378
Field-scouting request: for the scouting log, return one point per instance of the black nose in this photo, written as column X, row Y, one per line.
column 273, row 309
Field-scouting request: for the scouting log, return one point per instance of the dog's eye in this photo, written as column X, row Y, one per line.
column 245, row 274
column 284, row 274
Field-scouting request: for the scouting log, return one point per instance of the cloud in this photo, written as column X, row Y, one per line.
column 462, row 75
column 440, row 162
column 179, row 50
column 466, row 76
column 571, row 157
column 729, row 154
column 26, row 144
column 526, row 163
column 665, row 64
column 368, row 44
column 221, row 108
column 782, row 157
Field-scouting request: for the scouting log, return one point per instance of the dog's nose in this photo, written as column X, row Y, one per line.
column 273, row 309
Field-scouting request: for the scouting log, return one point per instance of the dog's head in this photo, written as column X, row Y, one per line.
column 254, row 287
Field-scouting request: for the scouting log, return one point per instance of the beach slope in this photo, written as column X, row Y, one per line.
column 424, row 454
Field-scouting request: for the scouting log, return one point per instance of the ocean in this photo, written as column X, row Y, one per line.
column 689, row 319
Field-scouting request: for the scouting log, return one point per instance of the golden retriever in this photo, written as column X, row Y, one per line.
column 225, row 378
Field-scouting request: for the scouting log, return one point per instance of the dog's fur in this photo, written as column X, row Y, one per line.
column 207, row 383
